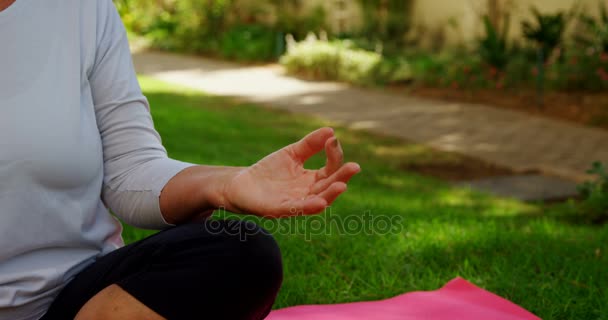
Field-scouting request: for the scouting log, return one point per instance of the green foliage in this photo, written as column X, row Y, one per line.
column 189, row 25
column 225, row 28
column 547, row 30
column 579, row 70
column 387, row 20
column 394, row 70
column 141, row 16
column 291, row 18
column 594, row 206
column 358, row 66
column 219, row 27
column 318, row 60
column 458, row 70
column 493, row 47
column 587, row 188
column 249, row 43
column 331, row 61
column 520, row 69
column 341, row 60
column 582, row 69
column 595, row 31
column 496, row 64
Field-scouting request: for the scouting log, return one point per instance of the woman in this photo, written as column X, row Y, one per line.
column 77, row 139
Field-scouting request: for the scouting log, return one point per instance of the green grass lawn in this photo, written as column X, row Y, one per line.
column 522, row 252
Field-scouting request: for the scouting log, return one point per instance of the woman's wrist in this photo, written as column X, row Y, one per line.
column 216, row 181
column 195, row 190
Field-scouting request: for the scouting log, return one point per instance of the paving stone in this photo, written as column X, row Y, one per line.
column 525, row 187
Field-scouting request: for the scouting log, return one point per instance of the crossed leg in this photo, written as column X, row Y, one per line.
column 218, row 269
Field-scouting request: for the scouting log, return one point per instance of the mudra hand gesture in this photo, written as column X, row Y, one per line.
column 279, row 186
column 276, row 186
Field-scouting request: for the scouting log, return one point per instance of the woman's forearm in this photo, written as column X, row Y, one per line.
column 194, row 191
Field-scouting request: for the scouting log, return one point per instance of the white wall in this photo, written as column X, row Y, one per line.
column 458, row 20
column 438, row 14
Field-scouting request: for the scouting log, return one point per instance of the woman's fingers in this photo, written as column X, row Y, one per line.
column 332, row 192
column 310, row 144
column 335, row 157
column 317, row 203
column 328, row 190
column 343, row 174
column 310, row 205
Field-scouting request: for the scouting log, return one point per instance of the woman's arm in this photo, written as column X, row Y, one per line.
column 136, row 166
column 147, row 189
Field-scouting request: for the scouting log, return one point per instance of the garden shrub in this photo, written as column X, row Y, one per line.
column 586, row 61
column 249, row 43
column 226, row 28
column 493, row 46
column 579, row 70
column 189, row 25
column 594, row 205
column 485, row 66
column 291, row 20
column 342, row 61
column 358, row 66
column 429, row 69
column 494, row 63
column 318, row 60
column 520, row 70
column 582, row 70
column 387, row 20
column 458, row 69
column 594, row 33
column 394, row 70
column 546, row 31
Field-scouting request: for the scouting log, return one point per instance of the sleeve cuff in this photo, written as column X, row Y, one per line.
column 169, row 169
column 138, row 203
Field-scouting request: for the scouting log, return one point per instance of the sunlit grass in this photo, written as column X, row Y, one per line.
column 516, row 250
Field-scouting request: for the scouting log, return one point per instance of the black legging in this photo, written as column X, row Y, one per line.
column 218, row 269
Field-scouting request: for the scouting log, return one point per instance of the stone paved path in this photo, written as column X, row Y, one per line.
column 525, row 187
column 508, row 138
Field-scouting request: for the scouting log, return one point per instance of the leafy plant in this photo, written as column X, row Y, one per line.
column 331, row 61
column 248, row 43
column 343, row 61
column 493, row 47
column 594, row 205
column 547, row 30
column 582, row 69
column 428, row 69
column 387, row 20
column 292, row 19
column 520, row 67
column 595, row 31
column 229, row 28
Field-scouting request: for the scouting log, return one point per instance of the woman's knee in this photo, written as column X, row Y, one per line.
column 255, row 247
column 260, row 269
column 233, row 266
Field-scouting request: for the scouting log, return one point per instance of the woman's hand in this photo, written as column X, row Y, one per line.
column 276, row 186
column 279, row 186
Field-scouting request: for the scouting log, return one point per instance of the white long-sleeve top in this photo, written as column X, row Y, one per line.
column 76, row 138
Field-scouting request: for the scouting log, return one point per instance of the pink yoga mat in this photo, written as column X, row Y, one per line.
column 458, row 299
